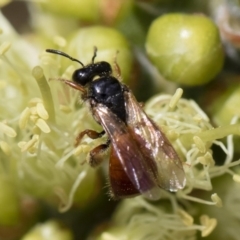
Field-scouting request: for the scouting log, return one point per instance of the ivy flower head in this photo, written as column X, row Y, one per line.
column 40, row 120
column 36, row 131
column 189, row 128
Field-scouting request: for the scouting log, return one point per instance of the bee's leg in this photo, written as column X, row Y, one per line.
column 95, row 157
column 90, row 133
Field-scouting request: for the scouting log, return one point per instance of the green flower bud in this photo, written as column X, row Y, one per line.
column 9, row 203
column 86, row 10
column 227, row 106
column 49, row 230
column 105, row 11
column 185, row 48
column 110, row 43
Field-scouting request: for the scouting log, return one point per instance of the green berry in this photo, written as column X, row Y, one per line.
column 86, row 10
column 186, row 49
column 110, row 43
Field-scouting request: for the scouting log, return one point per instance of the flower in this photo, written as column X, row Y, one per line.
column 41, row 117
column 37, row 131
column 174, row 215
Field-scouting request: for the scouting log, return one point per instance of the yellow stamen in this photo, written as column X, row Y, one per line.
column 43, row 125
column 4, row 47
column 25, row 147
column 5, row 147
column 199, row 144
column 236, row 178
column 59, row 41
column 175, row 98
column 41, row 111
column 65, row 109
column 209, row 223
column 10, row 132
column 216, row 199
column 187, row 219
column 23, row 120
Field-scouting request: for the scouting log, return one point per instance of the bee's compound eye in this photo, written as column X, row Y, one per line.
column 81, row 76
column 103, row 68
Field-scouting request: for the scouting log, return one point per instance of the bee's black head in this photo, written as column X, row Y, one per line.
column 86, row 74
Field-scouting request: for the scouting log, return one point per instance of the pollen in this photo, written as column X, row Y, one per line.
column 4, row 47
column 208, row 223
column 33, row 111
column 216, row 199
column 41, row 111
column 175, row 98
column 60, row 41
column 25, row 146
column 10, row 132
column 65, row 109
column 43, row 125
column 24, row 117
column 236, row 178
column 34, row 101
column 187, row 219
column 207, row 159
column 5, row 147
column 198, row 118
column 199, row 144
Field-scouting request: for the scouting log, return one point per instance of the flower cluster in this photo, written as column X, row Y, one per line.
column 41, row 168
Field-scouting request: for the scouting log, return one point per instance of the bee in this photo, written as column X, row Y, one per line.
column 142, row 160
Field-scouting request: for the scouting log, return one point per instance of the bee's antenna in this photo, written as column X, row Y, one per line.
column 65, row 55
column 117, row 68
column 94, row 54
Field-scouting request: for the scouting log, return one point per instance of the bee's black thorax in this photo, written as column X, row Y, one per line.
column 108, row 91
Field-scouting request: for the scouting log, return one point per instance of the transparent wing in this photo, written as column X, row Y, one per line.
column 170, row 174
column 140, row 172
